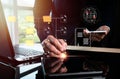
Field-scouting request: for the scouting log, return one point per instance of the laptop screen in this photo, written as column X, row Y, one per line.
column 6, row 48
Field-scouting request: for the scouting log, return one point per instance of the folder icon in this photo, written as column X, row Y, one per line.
column 30, row 31
column 47, row 19
column 11, row 18
column 29, row 42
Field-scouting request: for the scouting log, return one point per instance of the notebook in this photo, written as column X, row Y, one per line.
column 6, row 47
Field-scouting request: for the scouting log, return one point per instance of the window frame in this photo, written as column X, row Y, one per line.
column 13, row 26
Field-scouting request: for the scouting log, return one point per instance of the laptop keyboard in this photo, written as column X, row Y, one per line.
column 27, row 52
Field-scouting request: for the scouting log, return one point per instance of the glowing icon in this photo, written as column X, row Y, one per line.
column 29, row 18
column 29, row 42
column 11, row 18
column 47, row 19
column 30, row 31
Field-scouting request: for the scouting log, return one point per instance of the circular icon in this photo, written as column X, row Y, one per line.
column 90, row 15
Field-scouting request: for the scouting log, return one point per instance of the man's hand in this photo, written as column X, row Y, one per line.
column 53, row 46
column 97, row 36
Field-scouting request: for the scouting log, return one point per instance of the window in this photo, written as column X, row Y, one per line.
column 19, row 16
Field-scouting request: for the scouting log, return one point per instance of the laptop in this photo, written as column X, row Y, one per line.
column 7, row 50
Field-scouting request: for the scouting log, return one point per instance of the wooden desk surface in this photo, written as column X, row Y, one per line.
column 94, row 49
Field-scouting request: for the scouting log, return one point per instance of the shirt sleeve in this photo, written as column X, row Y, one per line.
column 41, row 8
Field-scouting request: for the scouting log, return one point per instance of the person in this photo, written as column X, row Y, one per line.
column 89, row 14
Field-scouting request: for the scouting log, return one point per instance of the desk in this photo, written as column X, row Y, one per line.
column 32, row 70
column 94, row 49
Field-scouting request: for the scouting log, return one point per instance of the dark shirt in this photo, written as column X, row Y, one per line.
column 74, row 11
column 76, row 17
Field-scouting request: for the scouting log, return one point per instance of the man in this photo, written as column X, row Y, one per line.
column 88, row 14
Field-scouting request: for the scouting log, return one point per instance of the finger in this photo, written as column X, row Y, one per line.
column 105, row 28
column 63, row 43
column 99, row 36
column 52, row 54
column 86, row 32
column 50, row 47
column 95, row 38
column 55, row 42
